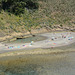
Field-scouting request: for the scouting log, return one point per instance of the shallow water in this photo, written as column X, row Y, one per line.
column 28, row 40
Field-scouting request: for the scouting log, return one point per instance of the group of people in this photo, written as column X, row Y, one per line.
column 12, row 47
column 63, row 36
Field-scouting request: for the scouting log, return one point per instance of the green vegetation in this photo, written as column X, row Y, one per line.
column 17, row 6
column 24, row 15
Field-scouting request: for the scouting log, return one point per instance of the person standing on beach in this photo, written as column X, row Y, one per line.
column 31, row 43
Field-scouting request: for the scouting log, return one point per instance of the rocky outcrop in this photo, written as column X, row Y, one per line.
column 13, row 36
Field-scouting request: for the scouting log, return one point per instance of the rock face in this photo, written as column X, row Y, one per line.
column 15, row 35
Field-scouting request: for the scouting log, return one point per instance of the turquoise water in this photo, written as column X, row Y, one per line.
column 29, row 39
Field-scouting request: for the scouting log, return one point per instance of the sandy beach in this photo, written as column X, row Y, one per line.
column 52, row 56
column 54, row 61
column 53, row 40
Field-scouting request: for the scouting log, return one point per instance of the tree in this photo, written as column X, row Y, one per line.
column 30, row 4
column 17, row 6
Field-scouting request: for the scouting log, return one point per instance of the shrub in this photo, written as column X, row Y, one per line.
column 17, row 6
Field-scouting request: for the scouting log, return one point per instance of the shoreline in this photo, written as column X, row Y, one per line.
column 40, row 51
column 12, row 37
column 43, row 44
